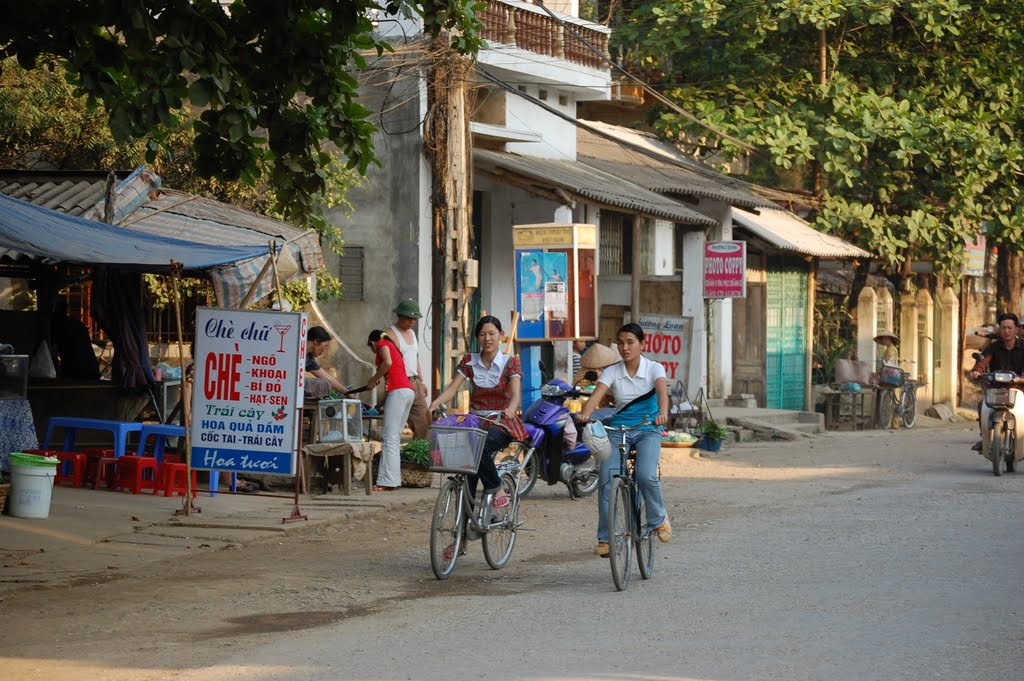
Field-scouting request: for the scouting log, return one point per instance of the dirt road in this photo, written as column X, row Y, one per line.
column 232, row 604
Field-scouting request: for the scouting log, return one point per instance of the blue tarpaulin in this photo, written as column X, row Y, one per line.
column 37, row 232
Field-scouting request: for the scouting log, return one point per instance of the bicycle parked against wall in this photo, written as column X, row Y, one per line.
column 897, row 398
column 456, row 445
column 628, row 528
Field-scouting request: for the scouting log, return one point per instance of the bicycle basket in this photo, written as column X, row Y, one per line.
column 890, row 375
column 999, row 397
column 456, row 449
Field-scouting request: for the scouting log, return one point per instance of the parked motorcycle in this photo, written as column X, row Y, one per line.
column 545, row 456
column 1002, row 420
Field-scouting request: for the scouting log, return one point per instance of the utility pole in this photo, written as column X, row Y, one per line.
column 447, row 144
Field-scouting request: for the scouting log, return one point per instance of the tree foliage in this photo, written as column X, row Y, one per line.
column 911, row 124
column 272, row 81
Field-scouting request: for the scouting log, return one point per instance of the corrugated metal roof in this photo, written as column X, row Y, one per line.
column 591, row 183
column 665, row 175
column 787, row 232
column 163, row 212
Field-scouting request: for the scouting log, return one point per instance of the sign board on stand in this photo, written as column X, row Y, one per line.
column 725, row 269
column 247, row 394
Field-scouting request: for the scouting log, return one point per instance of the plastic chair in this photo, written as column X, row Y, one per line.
column 71, row 469
column 172, row 479
column 92, row 460
column 106, row 471
column 135, row 473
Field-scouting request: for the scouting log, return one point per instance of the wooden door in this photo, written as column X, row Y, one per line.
column 748, row 338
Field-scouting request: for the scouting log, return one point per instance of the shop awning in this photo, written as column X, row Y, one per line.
column 139, row 203
column 586, row 182
column 31, row 231
column 787, row 232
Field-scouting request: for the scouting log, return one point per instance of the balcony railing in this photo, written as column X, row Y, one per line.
column 532, row 29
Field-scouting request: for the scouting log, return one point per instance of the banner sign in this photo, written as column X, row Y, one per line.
column 247, row 390
column 725, row 269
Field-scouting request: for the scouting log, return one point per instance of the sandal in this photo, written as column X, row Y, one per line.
column 449, row 552
column 500, row 502
column 382, row 488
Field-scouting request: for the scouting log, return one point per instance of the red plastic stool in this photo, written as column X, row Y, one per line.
column 171, row 480
column 92, row 460
column 135, row 473
column 71, row 469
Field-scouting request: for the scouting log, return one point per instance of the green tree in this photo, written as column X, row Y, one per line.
column 45, row 124
column 904, row 117
column 272, row 81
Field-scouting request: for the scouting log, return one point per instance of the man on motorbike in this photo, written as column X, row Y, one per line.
column 1004, row 354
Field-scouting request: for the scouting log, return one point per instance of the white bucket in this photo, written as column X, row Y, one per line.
column 31, row 489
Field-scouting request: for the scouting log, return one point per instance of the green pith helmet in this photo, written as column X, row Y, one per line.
column 408, row 308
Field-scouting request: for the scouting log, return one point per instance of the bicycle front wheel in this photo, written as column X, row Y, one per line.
column 908, row 406
column 446, row 535
column 886, row 407
column 620, row 533
column 642, row 542
column 500, row 539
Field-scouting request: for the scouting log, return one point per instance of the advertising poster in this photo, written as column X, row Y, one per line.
column 249, row 371
column 725, row 269
column 555, row 282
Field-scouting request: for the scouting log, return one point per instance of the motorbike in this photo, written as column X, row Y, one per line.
column 544, row 456
column 1002, row 420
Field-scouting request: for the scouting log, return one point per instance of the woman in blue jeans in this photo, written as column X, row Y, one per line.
column 640, row 390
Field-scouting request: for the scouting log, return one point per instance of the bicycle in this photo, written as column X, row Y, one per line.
column 892, row 407
column 627, row 517
column 457, row 515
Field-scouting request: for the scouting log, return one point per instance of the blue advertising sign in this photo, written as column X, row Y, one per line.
column 247, row 390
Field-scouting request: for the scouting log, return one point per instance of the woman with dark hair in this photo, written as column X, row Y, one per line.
column 317, row 340
column 640, row 390
column 390, row 367
column 496, row 385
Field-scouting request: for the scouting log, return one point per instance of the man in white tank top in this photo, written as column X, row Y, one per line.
column 401, row 332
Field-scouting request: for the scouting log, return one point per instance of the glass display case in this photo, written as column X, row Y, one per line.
column 339, row 421
column 13, row 377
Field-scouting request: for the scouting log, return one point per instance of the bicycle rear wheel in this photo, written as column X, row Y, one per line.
column 446, row 535
column 886, row 407
column 643, row 544
column 908, row 405
column 620, row 533
column 520, row 452
column 499, row 541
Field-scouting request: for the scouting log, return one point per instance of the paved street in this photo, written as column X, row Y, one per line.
column 851, row 557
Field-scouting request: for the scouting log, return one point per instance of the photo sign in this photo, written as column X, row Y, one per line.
column 725, row 269
column 247, row 390
column 667, row 340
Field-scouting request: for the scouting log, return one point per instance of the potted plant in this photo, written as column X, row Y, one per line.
column 712, row 435
column 415, row 457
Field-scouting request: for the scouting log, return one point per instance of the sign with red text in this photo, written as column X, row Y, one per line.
column 667, row 340
column 725, row 269
column 247, row 390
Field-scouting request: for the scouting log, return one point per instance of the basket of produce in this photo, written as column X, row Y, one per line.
column 678, row 438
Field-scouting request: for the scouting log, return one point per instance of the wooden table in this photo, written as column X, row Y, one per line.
column 352, row 454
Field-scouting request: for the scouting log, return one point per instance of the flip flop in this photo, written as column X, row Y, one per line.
column 449, row 552
column 500, row 502
column 381, row 488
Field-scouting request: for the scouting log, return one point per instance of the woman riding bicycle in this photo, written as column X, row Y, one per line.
column 496, row 380
column 640, row 390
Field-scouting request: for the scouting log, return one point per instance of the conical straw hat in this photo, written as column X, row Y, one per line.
column 888, row 334
column 599, row 356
